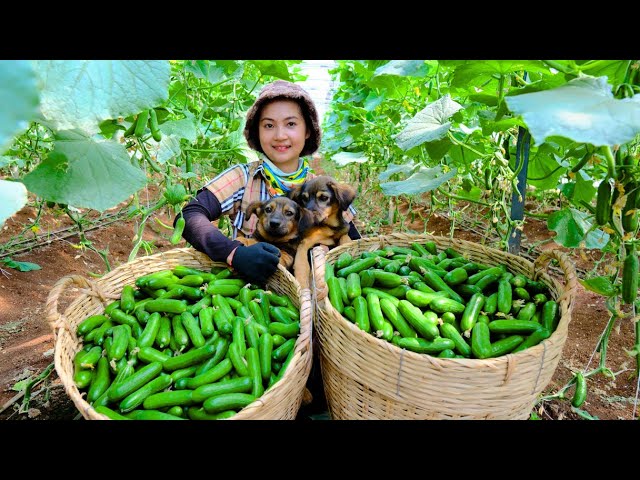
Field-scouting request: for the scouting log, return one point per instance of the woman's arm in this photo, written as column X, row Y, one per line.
column 200, row 232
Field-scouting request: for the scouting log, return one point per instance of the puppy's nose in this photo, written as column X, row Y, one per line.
column 274, row 223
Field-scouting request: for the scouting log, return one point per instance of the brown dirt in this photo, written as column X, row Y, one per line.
column 26, row 342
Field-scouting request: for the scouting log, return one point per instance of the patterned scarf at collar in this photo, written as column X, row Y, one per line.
column 280, row 182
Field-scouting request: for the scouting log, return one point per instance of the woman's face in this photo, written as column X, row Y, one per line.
column 283, row 132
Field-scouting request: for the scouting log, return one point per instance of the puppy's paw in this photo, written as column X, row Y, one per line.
column 286, row 260
column 246, row 241
column 344, row 239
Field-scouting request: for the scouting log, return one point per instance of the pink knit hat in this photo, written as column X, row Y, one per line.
column 281, row 89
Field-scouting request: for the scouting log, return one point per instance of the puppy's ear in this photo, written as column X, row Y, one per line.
column 254, row 207
column 294, row 193
column 306, row 221
column 344, row 194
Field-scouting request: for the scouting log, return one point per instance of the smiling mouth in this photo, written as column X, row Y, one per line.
column 281, row 148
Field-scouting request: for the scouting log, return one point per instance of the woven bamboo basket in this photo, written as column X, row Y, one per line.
column 281, row 402
column 369, row 378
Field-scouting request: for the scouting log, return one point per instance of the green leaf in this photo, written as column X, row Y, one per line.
column 13, row 196
column 429, row 124
column 571, row 226
column 183, row 128
column 393, row 168
column 614, row 70
column 79, row 94
column 18, row 97
column 205, row 69
column 582, row 190
column 484, row 98
column 168, row 148
column 477, row 72
column 86, row 172
column 21, row 385
column 584, row 414
column 438, row 149
column 373, row 100
column 474, row 193
column 345, row 158
column 404, row 68
column 583, row 110
column 424, row 180
column 275, row 68
column 21, row 266
column 543, row 172
column 600, row 285
column 490, row 126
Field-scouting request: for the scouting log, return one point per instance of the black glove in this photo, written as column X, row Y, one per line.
column 256, row 262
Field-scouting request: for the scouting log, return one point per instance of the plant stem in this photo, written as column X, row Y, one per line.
column 458, row 142
column 611, row 162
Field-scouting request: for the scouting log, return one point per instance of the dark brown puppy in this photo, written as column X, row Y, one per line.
column 323, row 200
column 278, row 225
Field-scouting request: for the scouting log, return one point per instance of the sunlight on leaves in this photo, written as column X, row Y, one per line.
column 583, row 110
column 345, row 158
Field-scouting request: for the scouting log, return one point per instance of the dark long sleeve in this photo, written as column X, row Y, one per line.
column 200, row 232
column 353, row 233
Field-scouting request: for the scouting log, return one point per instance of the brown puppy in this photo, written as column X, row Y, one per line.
column 323, row 200
column 278, row 225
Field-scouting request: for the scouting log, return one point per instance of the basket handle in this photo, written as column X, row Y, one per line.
column 566, row 265
column 54, row 317
column 318, row 261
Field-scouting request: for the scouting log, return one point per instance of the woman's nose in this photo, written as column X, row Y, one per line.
column 280, row 132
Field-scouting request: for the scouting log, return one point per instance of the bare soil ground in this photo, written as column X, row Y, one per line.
column 26, row 340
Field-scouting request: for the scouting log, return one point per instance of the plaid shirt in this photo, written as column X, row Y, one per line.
column 240, row 185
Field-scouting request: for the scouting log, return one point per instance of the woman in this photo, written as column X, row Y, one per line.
column 282, row 126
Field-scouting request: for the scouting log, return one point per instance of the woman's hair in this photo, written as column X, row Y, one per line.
column 283, row 90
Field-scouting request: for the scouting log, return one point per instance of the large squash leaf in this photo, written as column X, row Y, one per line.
column 430, row 124
column 79, row 94
column 85, row 172
column 583, row 110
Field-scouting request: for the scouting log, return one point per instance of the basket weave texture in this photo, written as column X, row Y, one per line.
column 280, row 402
column 369, row 378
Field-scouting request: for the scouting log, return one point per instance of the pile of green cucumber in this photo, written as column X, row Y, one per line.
column 184, row 343
column 441, row 303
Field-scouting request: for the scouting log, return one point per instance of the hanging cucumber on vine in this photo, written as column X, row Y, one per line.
column 153, row 125
column 176, row 195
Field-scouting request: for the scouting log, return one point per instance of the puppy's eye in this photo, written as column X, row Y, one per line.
column 323, row 197
column 268, row 209
column 289, row 213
